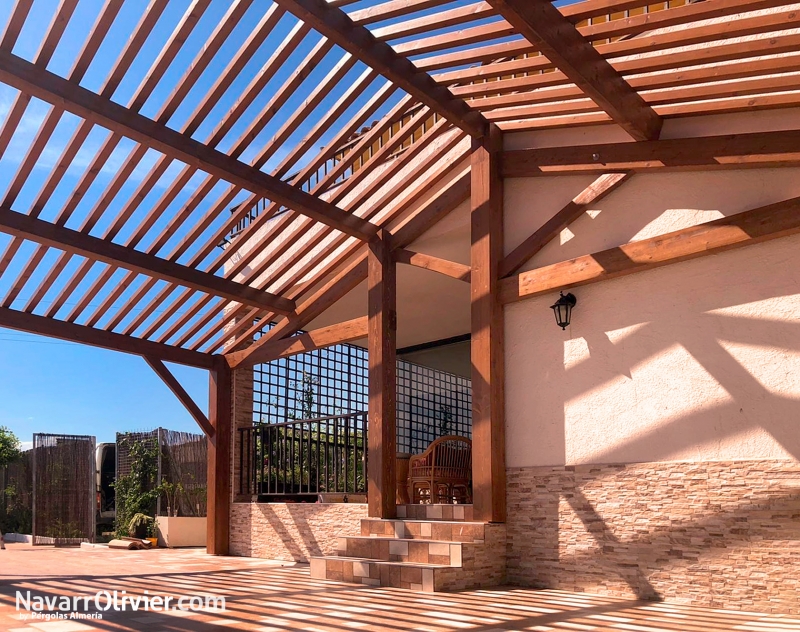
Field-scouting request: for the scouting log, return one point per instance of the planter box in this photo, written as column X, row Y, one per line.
column 181, row 531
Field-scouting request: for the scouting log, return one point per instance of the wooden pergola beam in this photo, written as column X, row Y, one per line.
column 488, row 399
column 355, row 272
column 547, row 29
column 43, row 326
column 757, row 149
column 97, row 249
column 47, row 86
column 382, row 380
column 452, row 269
column 303, row 343
column 596, row 191
column 177, row 389
column 220, row 444
column 338, row 27
column 743, row 229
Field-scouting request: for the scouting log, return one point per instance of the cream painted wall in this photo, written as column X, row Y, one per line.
column 695, row 361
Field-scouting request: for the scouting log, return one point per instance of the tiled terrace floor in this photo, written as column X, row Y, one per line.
column 262, row 595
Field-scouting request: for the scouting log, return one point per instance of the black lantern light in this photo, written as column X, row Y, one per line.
column 562, row 309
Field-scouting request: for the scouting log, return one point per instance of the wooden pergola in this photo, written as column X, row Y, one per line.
column 402, row 84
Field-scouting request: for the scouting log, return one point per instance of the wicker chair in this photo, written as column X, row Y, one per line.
column 443, row 473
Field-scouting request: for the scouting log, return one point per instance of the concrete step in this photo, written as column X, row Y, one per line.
column 438, row 530
column 435, row 512
column 419, row 577
column 402, row 550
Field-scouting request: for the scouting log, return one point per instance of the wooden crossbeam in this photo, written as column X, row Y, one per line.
column 547, row 29
column 303, row 343
column 452, row 269
column 597, row 190
column 94, row 248
column 43, row 326
column 757, row 149
column 743, row 229
column 40, row 83
column 338, row 27
column 177, row 389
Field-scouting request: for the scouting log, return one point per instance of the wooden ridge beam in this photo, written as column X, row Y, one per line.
column 338, row 27
column 719, row 152
column 303, row 343
column 94, row 248
column 452, row 269
column 743, row 229
column 49, row 87
column 52, row 328
column 175, row 386
column 596, row 191
column 547, row 29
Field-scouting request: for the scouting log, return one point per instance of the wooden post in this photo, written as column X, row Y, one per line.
column 488, row 423
column 382, row 337
column 219, row 458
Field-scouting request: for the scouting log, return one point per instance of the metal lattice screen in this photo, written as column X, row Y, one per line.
column 16, row 495
column 333, row 381
column 63, row 489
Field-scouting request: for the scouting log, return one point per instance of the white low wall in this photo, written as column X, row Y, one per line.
column 174, row 532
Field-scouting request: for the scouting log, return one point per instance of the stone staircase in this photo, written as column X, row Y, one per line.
column 429, row 548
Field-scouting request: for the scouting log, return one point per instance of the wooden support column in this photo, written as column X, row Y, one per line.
column 382, row 336
column 488, row 423
column 219, row 457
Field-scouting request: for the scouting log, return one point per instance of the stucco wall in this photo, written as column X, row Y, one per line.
column 694, row 361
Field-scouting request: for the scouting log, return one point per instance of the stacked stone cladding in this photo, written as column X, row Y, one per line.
column 717, row 534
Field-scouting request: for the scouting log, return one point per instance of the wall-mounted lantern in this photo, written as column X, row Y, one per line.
column 562, row 309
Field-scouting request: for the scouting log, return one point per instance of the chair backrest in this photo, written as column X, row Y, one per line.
column 451, row 455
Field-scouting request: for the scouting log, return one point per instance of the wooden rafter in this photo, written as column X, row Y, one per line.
column 556, row 37
column 730, row 151
column 736, row 231
column 52, row 328
column 596, row 191
column 51, row 88
column 335, row 24
column 452, row 269
column 302, row 343
column 74, row 242
column 177, row 389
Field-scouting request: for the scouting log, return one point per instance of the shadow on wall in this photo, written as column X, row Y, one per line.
column 292, row 531
column 688, row 376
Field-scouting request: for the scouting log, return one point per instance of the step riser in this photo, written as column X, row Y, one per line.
column 407, row 530
column 435, row 512
column 373, row 574
column 405, row 550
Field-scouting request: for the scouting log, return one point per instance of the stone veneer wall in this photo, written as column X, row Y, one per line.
column 718, row 534
column 292, row 532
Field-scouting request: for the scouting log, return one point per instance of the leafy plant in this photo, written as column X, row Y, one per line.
column 137, row 491
column 9, row 447
column 445, row 418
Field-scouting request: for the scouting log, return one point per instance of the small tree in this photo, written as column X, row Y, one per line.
column 9, row 447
